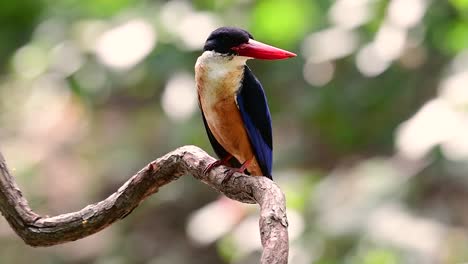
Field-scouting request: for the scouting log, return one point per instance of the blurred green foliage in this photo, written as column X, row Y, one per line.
column 77, row 118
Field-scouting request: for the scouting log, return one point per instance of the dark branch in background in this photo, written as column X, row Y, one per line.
column 39, row 231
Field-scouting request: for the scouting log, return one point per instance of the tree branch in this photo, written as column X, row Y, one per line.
column 39, row 231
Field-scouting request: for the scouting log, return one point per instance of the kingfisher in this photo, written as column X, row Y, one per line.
column 233, row 103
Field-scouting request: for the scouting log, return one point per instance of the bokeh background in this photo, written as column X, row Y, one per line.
column 370, row 126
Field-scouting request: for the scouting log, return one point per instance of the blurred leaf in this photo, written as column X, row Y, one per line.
column 16, row 23
column 107, row 7
column 212, row 4
column 379, row 256
column 92, row 8
column 298, row 192
column 283, row 22
column 460, row 5
column 226, row 249
column 379, row 7
column 457, row 37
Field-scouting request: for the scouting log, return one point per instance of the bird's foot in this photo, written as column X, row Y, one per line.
column 231, row 171
column 228, row 174
column 217, row 163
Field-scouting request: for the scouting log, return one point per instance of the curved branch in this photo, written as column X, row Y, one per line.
column 38, row 230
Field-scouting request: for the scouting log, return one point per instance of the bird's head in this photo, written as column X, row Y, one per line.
column 238, row 42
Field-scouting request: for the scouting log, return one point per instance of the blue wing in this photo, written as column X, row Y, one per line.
column 254, row 110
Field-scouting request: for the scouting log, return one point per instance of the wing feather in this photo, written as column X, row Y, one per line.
column 253, row 106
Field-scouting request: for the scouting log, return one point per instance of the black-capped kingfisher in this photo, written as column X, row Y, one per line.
column 232, row 101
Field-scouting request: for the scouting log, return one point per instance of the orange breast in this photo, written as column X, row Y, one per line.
column 217, row 100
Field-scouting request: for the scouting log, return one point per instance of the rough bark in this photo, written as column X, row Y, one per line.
column 40, row 231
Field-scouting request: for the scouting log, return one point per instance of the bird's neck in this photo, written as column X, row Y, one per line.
column 219, row 75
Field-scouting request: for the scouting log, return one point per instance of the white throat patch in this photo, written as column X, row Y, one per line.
column 214, row 71
column 218, row 64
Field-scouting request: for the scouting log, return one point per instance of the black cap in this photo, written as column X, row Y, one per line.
column 223, row 39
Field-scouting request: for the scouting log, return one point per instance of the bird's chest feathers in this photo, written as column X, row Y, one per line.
column 218, row 79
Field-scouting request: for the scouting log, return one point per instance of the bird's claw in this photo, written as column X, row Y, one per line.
column 228, row 175
column 212, row 166
column 217, row 163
